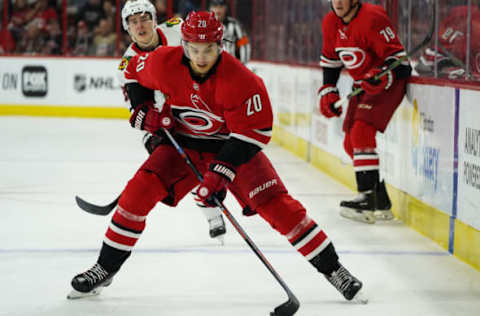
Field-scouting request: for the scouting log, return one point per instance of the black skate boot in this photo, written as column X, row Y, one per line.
column 348, row 285
column 217, row 226
column 90, row 282
column 361, row 208
column 384, row 204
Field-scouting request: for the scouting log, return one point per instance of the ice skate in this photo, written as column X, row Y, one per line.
column 383, row 203
column 361, row 208
column 216, row 224
column 348, row 285
column 217, row 228
column 90, row 282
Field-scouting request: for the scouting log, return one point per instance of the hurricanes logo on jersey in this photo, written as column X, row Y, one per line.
column 352, row 57
column 198, row 121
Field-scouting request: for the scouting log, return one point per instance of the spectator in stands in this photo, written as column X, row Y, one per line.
column 83, row 40
column 161, row 8
column 21, row 14
column 33, row 39
column 109, row 9
column 53, row 38
column 45, row 11
column 91, row 13
column 104, row 42
column 186, row 6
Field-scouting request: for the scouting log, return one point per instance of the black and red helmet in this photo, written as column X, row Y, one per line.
column 202, row 26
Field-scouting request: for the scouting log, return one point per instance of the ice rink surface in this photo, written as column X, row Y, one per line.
column 176, row 268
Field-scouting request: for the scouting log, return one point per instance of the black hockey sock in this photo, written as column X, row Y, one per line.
column 111, row 259
column 326, row 261
column 367, row 180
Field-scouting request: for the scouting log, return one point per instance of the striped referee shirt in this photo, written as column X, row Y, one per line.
column 236, row 40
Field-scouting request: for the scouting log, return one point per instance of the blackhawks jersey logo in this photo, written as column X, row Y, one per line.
column 124, row 63
column 173, row 21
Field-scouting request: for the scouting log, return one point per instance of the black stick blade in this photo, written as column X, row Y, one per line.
column 96, row 209
column 288, row 308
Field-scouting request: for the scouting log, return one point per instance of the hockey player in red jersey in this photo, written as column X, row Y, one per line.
column 139, row 20
column 360, row 37
column 220, row 112
column 452, row 41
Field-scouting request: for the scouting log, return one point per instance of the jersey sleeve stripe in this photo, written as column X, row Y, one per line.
column 131, row 81
column 260, row 142
column 398, row 55
column 267, row 133
column 330, row 63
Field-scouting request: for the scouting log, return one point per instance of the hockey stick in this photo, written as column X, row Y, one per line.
column 455, row 61
column 96, row 209
column 397, row 62
column 289, row 307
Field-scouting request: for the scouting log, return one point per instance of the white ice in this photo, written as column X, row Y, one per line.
column 176, row 268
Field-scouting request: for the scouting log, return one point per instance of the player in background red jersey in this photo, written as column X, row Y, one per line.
column 452, row 41
column 360, row 38
column 220, row 112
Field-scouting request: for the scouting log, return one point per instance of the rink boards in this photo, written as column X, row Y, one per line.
column 430, row 153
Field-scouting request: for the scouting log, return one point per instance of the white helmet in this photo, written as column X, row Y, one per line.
column 132, row 7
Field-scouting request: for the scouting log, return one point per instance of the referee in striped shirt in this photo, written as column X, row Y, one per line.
column 234, row 37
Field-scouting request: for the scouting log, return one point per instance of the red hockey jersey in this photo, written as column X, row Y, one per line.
column 364, row 43
column 453, row 35
column 453, row 29
column 231, row 102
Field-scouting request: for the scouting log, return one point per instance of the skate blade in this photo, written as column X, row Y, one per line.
column 364, row 217
column 360, row 298
column 74, row 294
column 383, row 215
column 221, row 239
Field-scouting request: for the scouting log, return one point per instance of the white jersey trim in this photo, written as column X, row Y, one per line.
column 248, row 139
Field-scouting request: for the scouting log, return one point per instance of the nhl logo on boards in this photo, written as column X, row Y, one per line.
column 80, row 82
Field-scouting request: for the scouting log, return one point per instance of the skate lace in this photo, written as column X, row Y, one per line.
column 95, row 273
column 341, row 279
